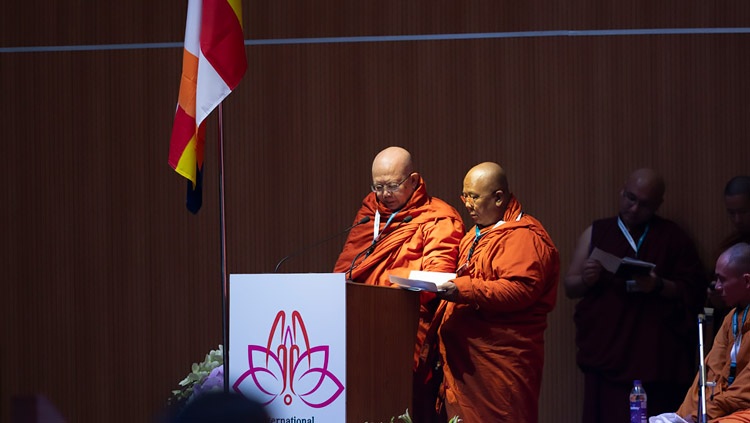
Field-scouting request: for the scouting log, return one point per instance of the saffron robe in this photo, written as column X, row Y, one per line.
column 492, row 335
column 625, row 336
column 724, row 399
column 428, row 242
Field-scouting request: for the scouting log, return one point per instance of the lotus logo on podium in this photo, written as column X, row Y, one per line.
column 288, row 367
column 287, row 344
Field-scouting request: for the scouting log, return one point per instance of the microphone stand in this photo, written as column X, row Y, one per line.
column 367, row 251
column 303, row 249
column 351, row 268
column 702, row 415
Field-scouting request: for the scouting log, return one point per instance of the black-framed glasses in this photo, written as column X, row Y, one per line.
column 389, row 187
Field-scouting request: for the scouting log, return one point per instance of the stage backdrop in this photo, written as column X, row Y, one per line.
column 112, row 289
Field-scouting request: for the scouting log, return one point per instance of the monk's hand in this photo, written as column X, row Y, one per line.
column 591, row 272
column 447, row 291
column 464, row 269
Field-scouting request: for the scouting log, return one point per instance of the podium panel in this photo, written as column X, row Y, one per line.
column 313, row 347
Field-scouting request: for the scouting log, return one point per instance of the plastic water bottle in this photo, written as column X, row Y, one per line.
column 638, row 399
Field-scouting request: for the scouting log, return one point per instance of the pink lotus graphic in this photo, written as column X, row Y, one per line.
column 287, row 369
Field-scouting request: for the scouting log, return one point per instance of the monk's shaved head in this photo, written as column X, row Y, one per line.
column 490, row 175
column 393, row 160
column 485, row 193
column 649, row 181
column 732, row 275
column 739, row 185
column 641, row 197
column 394, row 167
column 738, row 256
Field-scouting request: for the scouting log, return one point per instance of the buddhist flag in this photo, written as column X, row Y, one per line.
column 213, row 64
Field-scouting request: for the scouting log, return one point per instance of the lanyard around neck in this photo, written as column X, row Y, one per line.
column 376, row 225
column 737, row 332
column 478, row 235
column 629, row 237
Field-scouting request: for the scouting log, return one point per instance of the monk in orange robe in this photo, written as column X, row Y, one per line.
column 729, row 400
column 408, row 230
column 492, row 332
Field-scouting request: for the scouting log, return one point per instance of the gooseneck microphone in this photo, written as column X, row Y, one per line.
column 367, row 251
column 305, row 248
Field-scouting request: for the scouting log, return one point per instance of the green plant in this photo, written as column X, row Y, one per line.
column 202, row 375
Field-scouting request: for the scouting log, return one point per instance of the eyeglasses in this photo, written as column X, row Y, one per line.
column 633, row 200
column 389, row 187
column 472, row 198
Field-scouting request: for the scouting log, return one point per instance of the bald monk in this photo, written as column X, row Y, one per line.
column 636, row 326
column 411, row 231
column 729, row 400
column 492, row 332
column 737, row 203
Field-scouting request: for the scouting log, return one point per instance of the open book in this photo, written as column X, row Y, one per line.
column 625, row 267
column 419, row 280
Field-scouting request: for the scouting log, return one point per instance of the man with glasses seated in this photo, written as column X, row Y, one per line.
column 407, row 230
column 636, row 326
column 492, row 331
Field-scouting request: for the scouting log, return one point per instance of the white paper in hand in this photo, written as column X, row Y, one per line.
column 666, row 418
column 420, row 280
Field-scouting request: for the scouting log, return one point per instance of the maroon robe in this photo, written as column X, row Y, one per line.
column 625, row 336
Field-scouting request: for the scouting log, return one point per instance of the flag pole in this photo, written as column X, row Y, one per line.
column 223, row 257
column 214, row 43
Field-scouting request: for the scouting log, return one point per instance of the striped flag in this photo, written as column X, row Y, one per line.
column 213, row 64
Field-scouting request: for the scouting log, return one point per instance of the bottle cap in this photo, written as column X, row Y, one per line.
column 637, row 382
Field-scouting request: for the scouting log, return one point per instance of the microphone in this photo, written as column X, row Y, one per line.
column 367, row 251
column 305, row 248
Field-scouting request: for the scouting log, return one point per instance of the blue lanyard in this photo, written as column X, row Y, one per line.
column 629, row 237
column 737, row 332
column 376, row 225
column 477, row 235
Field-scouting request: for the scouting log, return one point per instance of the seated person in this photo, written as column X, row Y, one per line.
column 727, row 362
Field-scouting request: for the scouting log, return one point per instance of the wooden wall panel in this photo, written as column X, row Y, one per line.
column 77, row 22
column 337, row 18
column 112, row 288
column 102, row 262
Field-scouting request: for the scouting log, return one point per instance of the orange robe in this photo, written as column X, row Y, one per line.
column 737, row 417
column 728, row 400
column 428, row 242
column 492, row 336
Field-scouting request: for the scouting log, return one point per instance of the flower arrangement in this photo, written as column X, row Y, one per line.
column 206, row 376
